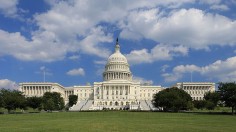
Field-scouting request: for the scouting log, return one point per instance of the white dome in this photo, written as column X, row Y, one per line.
column 117, row 57
column 117, row 67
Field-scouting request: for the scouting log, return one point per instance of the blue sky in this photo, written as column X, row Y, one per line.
column 164, row 41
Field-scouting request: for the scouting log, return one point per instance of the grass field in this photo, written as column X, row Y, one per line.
column 116, row 122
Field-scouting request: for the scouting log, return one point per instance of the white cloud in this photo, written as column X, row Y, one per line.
column 139, row 56
column 223, row 70
column 159, row 52
column 72, row 26
column 164, row 68
column 74, row 57
column 192, row 28
column 38, row 49
column 100, row 62
column 90, row 44
column 8, row 84
column 75, row 72
column 142, row 80
column 220, row 70
column 220, row 7
column 179, row 71
column 210, row 2
column 9, row 7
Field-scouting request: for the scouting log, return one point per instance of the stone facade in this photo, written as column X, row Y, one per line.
column 196, row 89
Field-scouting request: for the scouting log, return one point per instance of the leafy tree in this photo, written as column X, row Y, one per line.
column 227, row 93
column 1, row 99
column 211, row 100
column 172, row 99
column 34, row 102
column 49, row 104
column 72, row 100
column 13, row 99
column 210, row 105
column 53, row 101
column 213, row 97
column 199, row 104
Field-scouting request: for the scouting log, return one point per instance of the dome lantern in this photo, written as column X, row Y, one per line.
column 117, row 48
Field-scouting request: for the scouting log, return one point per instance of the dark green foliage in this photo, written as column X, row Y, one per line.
column 34, row 102
column 172, row 99
column 210, row 105
column 52, row 101
column 1, row 100
column 72, row 100
column 12, row 99
column 227, row 93
column 199, row 104
column 212, row 99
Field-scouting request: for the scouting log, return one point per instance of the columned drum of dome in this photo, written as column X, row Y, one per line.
column 117, row 67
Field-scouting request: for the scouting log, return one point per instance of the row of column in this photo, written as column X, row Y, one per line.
column 35, row 90
column 197, row 92
column 196, row 87
column 117, row 75
column 67, row 93
column 113, row 67
column 109, row 91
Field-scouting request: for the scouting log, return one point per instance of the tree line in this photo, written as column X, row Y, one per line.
column 174, row 99
column 50, row 101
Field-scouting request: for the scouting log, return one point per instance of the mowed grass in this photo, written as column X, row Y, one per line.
column 117, row 122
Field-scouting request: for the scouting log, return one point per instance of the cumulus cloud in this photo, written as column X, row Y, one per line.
column 192, row 28
column 142, row 80
column 75, row 28
column 159, row 52
column 222, row 70
column 179, row 71
column 9, row 8
column 8, row 84
column 76, row 72
column 78, row 28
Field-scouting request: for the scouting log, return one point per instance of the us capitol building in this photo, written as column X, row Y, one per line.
column 117, row 91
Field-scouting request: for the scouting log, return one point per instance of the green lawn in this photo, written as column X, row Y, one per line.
column 117, row 121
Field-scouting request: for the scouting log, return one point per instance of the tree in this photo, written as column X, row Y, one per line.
column 49, row 105
column 212, row 99
column 52, row 101
column 72, row 100
column 34, row 102
column 227, row 93
column 210, row 105
column 13, row 99
column 199, row 104
column 1, row 99
column 172, row 99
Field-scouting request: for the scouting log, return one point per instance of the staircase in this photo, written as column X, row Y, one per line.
column 144, row 105
column 78, row 106
column 87, row 105
column 149, row 103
